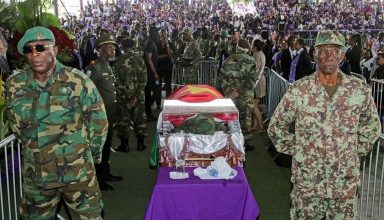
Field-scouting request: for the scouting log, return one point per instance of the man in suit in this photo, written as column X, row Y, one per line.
column 286, row 57
column 267, row 50
column 301, row 63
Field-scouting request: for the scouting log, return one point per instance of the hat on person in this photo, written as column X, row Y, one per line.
column 233, row 30
column 186, row 31
column 35, row 34
column 330, row 37
column 105, row 39
column 224, row 33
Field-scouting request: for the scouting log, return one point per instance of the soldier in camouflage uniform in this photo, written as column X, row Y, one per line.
column 237, row 78
column 102, row 75
column 59, row 117
column 131, row 71
column 335, row 122
column 178, row 44
column 192, row 55
column 204, row 41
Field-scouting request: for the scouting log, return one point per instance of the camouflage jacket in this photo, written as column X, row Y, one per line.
column 204, row 45
column 62, row 126
column 192, row 51
column 132, row 74
column 330, row 134
column 239, row 72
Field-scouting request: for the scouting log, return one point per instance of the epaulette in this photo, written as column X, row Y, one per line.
column 76, row 71
column 16, row 73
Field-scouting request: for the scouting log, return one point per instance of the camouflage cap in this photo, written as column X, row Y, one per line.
column 105, row 39
column 35, row 34
column 224, row 33
column 330, row 37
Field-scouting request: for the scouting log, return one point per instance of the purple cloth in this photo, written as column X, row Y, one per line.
column 197, row 199
column 292, row 72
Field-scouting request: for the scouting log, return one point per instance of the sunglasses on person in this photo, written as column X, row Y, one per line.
column 37, row 47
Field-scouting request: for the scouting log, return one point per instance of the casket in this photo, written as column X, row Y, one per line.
column 199, row 132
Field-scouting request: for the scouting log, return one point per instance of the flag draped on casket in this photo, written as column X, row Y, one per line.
column 197, row 94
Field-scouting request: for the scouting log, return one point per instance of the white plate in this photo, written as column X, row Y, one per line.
column 204, row 175
column 178, row 175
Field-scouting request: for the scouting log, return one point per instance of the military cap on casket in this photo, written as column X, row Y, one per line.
column 35, row 34
column 105, row 39
column 330, row 37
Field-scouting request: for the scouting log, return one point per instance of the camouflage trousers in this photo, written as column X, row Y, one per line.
column 191, row 74
column 134, row 118
column 83, row 200
column 315, row 208
column 245, row 115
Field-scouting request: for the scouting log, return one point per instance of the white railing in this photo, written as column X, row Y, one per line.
column 371, row 192
column 10, row 184
column 276, row 88
column 207, row 72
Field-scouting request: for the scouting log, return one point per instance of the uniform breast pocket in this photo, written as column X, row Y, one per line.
column 62, row 110
column 22, row 107
column 349, row 120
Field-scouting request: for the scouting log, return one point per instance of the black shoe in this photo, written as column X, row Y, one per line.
column 151, row 118
column 105, row 186
column 123, row 148
column 112, row 178
column 141, row 147
column 140, row 143
column 248, row 147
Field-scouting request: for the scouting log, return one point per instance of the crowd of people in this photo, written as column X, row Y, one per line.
column 127, row 51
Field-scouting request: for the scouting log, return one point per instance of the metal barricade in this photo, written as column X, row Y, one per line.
column 276, row 88
column 358, row 76
column 207, row 72
column 371, row 195
column 10, row 184
column 178, row 74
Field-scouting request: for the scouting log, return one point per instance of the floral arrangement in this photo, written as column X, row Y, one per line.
column 65, row 44
column 31, row 13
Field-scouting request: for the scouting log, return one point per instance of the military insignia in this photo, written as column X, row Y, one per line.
column 39, row 36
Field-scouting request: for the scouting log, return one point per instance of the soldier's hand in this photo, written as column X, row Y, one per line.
column 156, row 76
column 132, row 102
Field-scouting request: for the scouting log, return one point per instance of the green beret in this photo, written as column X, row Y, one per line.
column 35, row 34
column 105, row 39
column 330, row 37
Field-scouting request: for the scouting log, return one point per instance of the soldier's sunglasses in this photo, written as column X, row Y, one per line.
column 37, row 47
